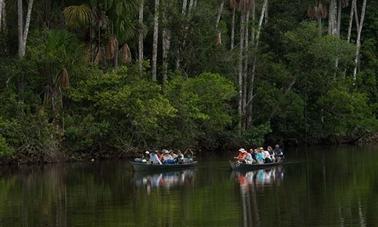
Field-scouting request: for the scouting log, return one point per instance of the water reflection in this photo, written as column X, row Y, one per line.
column 252, row 182
column 259, row 178
column 164, row 180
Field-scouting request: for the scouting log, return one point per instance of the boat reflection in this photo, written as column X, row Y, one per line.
column 260, row 178
column 251, row 183
column 164, row 180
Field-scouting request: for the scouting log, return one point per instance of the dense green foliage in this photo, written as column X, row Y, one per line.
column 69, row 92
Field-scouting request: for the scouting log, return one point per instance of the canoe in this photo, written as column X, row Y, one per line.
column 140, row 166
column 248, row 167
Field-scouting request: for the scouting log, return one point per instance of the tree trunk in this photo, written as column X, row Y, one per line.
column 183, row 13
column 358, row 42
column 332, row 18
column 184, row 6
column 351, row 20
column 220, row 10
column 339, row 18
column 219, row 33
column 27, row 24
column 253, row 22
column 4, row 17
column 191, row 4
column 267, row 13
column 20, row 18
column 351, row 15
column 240, row 77
column 166, row 46
column 2, row 3
column 251, row 95
column 356, row 16
column 245, row 66
column 116, row 56
column 233, row 28
column 141, row 37
column 320, row 26
column 23, row 31
column 155, row 41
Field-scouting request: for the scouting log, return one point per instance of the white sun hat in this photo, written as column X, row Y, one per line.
column 242, row 150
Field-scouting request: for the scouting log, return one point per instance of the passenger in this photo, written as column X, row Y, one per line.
column 154, row 158
column 188, row 155
column 174, row 155
column 248, row 159
column 270, row 150
column 259, row 156
column 253, row 154
column 267, row 157
column 143, row 158
column 278, row 153
column 242, row 155
column 160, row 155
column 167, row 158
column 180, row 157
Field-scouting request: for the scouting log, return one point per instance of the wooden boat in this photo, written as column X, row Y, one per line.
column 247, row 167
column 140, row 166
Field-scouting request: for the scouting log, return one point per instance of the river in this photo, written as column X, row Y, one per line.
column 318, row 187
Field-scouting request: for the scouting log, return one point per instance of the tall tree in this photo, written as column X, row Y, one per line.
column 358, row 40
column 351, row 16
column 240, row 71
column 23, row 31
column 184, row 7
column 245, row 65
column 249, row 103
column 332, row 18
column 191, row 5
column 2, row 12
column 141, row 35
column 233, row 5
column 219, row 33
column 155, row 41
column 166, row 39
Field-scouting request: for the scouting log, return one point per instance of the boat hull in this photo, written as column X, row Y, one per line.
column 248, row 167
column 138, row 166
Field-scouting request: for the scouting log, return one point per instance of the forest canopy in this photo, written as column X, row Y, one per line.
column 80, row 76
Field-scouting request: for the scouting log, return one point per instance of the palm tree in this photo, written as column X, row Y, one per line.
column 106, row 18
column 88, row 17
column 318, row 12
column 77, row 16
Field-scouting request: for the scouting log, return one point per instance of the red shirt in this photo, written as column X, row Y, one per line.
column 241, row 156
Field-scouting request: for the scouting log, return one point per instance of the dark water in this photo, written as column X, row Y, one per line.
column 329, row 187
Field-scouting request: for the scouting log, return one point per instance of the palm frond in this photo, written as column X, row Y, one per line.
column 77, row 15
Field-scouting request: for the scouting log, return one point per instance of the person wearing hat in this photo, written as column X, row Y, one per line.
column 242, row 155
column 167, row 157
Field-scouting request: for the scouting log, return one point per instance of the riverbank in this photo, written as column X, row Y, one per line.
column 64, row 156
